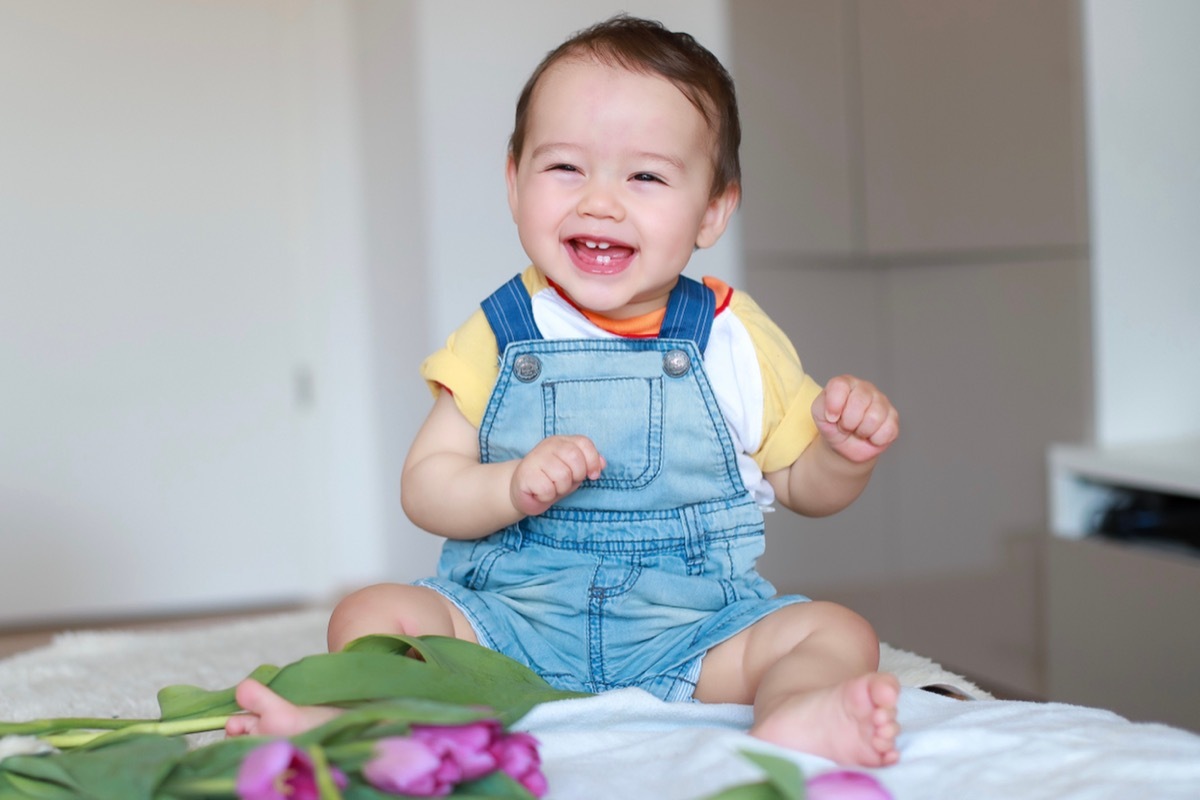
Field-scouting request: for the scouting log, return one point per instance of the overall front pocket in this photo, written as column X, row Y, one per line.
column 622, row 416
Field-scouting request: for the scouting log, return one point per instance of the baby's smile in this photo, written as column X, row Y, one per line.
column 599, row 256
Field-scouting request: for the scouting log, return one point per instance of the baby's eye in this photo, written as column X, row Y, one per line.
column 647, row 177
column 563, row 168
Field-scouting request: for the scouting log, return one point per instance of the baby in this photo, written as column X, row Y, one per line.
column 606, row 431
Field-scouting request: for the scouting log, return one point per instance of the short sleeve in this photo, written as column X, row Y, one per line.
column 469, row 363
column 788, row 392
column 467, row 366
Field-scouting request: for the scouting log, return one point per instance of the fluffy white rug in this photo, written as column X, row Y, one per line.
column 628, row 744
column 118, row 673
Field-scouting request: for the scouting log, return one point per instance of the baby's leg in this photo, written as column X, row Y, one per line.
column 809, row 670
column 395, row 608
column 384, row 608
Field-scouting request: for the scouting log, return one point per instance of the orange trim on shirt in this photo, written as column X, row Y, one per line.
column 722, row 290
column 646, row 326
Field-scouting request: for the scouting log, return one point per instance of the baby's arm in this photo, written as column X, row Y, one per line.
column 446, row 490
column 857, row 423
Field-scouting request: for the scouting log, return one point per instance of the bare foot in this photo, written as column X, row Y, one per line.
column 852, row 723
column 268, row 714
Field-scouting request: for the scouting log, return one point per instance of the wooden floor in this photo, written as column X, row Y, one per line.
column 17, row 640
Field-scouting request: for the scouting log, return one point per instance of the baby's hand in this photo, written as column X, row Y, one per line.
column 855, row 418
column 552, row 470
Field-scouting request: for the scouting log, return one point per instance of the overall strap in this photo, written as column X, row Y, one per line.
column 509, row 311
column 690, row 311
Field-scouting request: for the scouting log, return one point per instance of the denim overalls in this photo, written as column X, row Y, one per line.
column 631, row 579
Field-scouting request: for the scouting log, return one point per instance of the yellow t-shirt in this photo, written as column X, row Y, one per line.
column 764, row 394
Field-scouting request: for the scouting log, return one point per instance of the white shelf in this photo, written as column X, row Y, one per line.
column 1083, row 478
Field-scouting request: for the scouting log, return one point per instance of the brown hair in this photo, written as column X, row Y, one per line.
column 646, row 46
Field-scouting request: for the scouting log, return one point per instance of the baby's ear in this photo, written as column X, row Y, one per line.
column 716, row 216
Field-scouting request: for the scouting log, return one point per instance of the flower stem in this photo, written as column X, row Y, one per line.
column 38, row 727
column 76, row 738
column 325, row 784
column 206, row 788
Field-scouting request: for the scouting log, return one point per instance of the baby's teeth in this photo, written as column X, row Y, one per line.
column 590, row 245
column 603, row 245
column 593, row 245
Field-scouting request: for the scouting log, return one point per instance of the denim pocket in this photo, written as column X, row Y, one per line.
column 622, row 416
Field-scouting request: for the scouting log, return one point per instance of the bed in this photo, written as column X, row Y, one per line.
column 629, row 744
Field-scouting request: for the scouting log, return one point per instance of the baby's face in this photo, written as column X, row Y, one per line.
column 612, row 192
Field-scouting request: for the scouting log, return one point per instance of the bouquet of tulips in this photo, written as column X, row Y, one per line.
column 432, row 724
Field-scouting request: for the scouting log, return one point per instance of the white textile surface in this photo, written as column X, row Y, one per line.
column 630, row 744
column 627, row 743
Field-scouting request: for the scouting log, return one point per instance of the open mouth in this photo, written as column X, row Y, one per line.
column 598, row 256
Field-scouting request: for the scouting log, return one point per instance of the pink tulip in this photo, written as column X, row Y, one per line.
column 280, row 771
column 436, row 758
column 465, row 750
column 846, row 785
column 407, row 766
column 517, row 755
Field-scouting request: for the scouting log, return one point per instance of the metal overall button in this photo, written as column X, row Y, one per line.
column 527, row 367
column 676, row 363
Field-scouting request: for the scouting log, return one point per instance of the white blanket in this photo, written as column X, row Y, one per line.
column 627, row 743
column 633, row 745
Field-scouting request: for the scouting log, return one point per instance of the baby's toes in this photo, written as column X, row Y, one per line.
column 241, row 725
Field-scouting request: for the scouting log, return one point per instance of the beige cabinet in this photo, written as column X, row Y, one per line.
column 799, row 152
column 914, row 213
column 893, row 129
column 1121, row 630
column 1120, row 626
column 971, row 116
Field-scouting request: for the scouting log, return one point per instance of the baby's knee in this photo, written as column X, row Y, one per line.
column 392, row 608
column 851, row 628
column 832, row 626
column 365, row 611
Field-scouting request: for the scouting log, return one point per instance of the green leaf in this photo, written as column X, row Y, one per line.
column 357, row 791
column 128, row 770
column 19, row 787
column 496, row 785
column 456, row 656
column 377, row 668
column 764, row 790
column 45, row 770
column 785, row 775
column 220, row 759
column 388, row 718
column 784, row 781
column 393, row 644
column 186, row 702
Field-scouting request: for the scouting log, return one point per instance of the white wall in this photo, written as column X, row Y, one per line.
column 180, row 246
column 1143, row 93
column 395, row 231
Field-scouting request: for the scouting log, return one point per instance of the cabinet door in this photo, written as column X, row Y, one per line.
column 972, row 125
column 1120, row 630
column 789, row 61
